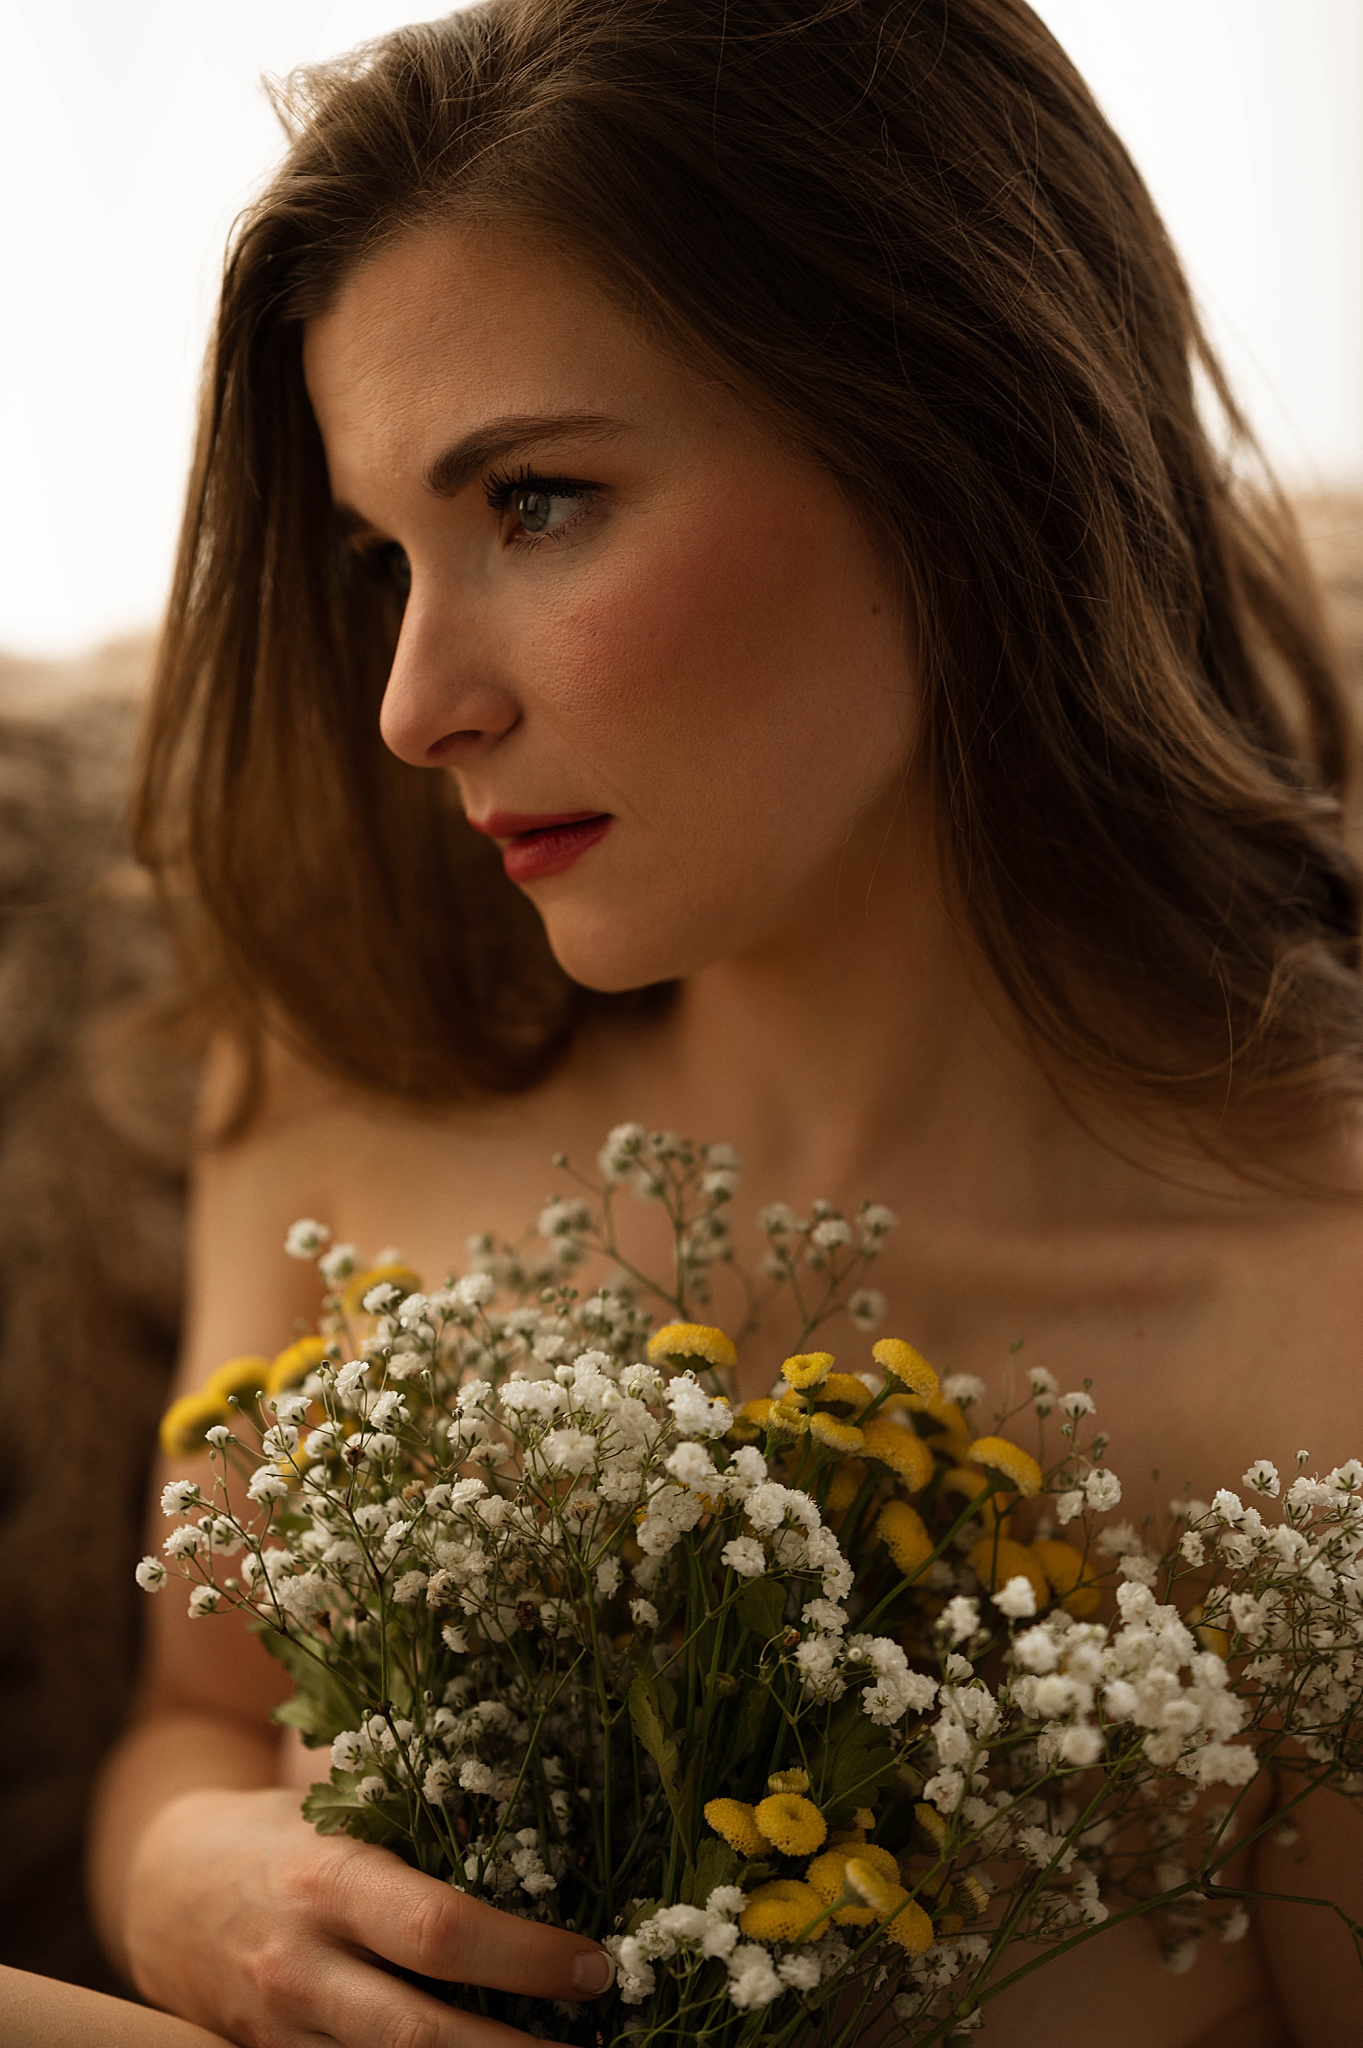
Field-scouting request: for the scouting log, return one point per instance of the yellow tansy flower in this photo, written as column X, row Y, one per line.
column 396, row 1274
column 911, row 1928
column 871, row 1886
column 1016, row 1465
column 940, row 1419
column 789, row 1414
column 757, row 1413
column 932, row 1824
column 808, row 1368
column 244, row 1377
column 843, row 1437
column 977, row 1487
column 906, row 1364
column 186, row 1422
column 900, row 1528
column 782, row 1911
column 903, row 1450
column 972, row 1896
column 791, row 1824
column 692, row 1340
column 1064, row 1568
column 845, row 1838
column 847, row 1389
column 848, row 1479
column 734, row 1823
column 788, row 1781
column 997, row 1559
column 827, row 1875
column 294, row 1363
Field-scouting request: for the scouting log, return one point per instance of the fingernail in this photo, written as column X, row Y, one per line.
column 593, row 1972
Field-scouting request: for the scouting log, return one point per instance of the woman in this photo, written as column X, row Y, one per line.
column 707, row 598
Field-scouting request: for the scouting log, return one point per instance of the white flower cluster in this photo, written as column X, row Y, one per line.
column 690, row 1936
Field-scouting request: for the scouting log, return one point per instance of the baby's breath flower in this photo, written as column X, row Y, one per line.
column 1017, row 1598
column 867, row 1307
column 1077, row 1404
column 151, row 1575
column 306, row 1238
column 964, row 1388
column 1262, row 1477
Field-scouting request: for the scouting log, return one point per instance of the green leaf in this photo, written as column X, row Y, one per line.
column 648, row 1726
column 853, row 1761
column 333, row 1809
column 716, row 1863
column 322, row 1704
column 761, row 1607
column 752, row 1711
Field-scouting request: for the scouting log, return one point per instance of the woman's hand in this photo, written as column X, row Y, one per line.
column 241, row 1917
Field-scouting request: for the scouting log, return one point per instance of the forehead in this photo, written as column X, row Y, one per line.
column 447, row 326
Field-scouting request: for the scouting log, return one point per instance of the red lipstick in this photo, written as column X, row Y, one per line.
column 534, row 848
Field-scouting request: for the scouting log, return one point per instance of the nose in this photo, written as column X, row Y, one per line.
column 443, row 702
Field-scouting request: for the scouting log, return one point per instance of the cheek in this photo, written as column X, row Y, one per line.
column 729, row 656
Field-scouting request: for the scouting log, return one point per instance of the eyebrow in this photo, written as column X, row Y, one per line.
column 458, row 464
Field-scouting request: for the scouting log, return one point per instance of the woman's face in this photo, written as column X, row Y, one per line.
column 631, row 607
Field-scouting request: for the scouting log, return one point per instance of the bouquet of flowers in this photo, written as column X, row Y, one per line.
column 806, row 1708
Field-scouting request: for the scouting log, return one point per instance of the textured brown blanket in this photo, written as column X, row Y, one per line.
column 94, row 1117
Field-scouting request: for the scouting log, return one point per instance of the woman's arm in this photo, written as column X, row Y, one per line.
column 1317, row 1967
column 212, row 1894
column 42, row 2013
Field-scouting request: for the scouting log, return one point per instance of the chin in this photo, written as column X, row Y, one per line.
column 613, row 954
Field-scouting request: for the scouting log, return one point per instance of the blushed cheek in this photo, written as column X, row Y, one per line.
column 679, row 653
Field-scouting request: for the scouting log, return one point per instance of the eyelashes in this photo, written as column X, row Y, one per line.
column 546, row 508
column 533, row 498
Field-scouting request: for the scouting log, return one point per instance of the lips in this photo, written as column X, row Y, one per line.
column 534, row 848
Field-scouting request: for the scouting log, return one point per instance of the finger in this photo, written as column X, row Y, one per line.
column 422, row 1925
column 363, row 2008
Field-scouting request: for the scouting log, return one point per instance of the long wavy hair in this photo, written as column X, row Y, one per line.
column 903, row 230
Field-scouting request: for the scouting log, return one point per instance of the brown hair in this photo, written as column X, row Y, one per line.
column 905, row 230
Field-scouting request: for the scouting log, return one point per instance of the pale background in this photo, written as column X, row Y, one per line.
column 131, row 133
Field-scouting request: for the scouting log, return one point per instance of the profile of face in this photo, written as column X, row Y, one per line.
column 655, row 645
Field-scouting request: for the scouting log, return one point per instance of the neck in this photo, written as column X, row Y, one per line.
column 862, row 1047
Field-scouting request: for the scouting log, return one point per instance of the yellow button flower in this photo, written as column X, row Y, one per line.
column 244, row 1377
column 906, row 1364
column 788, row 1781
column 827, row 1874
column 997, row 1559
column 977, row 1487
column 900, row 1528
column 1064, row 1568
column 757, row 1413
column 843, row 1437
column 782, row 1911
column 808, row 1368
column 394, row 1273
column 903, row 1450
column 294, row 1363
column 692, row 1340
column 186, row 1422
column 734, row 1823
column 872, row 1886
column 788, row 1414
column 1018, row 1467
column 848, row 1479
column 846, row 1389
column 911, row 1928
column 791, row 1824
